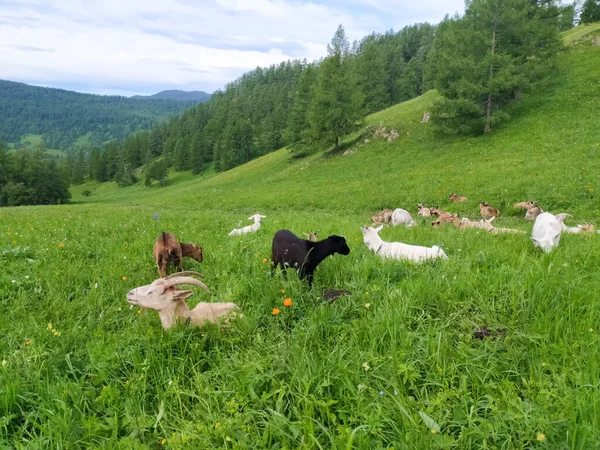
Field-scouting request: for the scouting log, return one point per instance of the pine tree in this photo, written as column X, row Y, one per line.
column 78, row 169
column 337, row 105
column 590, row 11
column 298, row 125
column 487, row 58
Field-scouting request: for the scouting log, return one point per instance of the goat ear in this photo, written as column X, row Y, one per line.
column 182, row 295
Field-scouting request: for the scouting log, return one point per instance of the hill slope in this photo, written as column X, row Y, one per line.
column 178, row 95
column 62, row 117
column 497, row 347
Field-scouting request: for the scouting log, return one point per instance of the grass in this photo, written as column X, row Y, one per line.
column 394, row 365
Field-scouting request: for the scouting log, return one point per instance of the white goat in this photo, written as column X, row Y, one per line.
column 402, row 217
column 250, row 228
column 164, row 296
column 547, row 229
column 399, row 250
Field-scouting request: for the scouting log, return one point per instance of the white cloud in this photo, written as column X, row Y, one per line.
column 141, row 46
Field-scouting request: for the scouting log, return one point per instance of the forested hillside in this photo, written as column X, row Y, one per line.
column 62, row 117
column 311, row 106
column 174, row 94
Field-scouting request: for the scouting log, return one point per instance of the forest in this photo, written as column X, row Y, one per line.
column 62, row 117
column 479, row 63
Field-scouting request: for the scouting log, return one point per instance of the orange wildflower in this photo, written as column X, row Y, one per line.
column 60, row 245
column 265, row 260
column 275, row 311
column 27, row 342
column 287, row 302
column 124, row 278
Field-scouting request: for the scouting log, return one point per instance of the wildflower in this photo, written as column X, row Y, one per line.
column 124, row 278
column 265, row 260
column 244, row 246
column 217, row 426
column 49, row 325
column 4, row 362
column 139, row 312
column 60, row 245
column 164, row 441
column 156, row 216
column 591, row 330
column 14, row 281
column 14, row 242
column 287, row 302
column 367, row 292
column 541, row 437
column 366, row 366
column 27, row 277
column 395, row 392
column 96, row 286
column 31, row 229
column 432, row 431
column 367, row 305
column 380, row 393
column 56, row 333
column 227, row 438
column 283, row 291
column 275, row 311
column 27, row 342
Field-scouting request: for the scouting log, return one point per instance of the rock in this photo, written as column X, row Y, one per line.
column 349, row 152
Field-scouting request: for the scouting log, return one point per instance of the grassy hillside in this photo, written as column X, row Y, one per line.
column 394, row 365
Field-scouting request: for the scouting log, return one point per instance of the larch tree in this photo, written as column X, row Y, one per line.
column 337, row 105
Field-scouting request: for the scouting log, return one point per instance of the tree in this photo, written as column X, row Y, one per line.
column 158, row 171
column 78, row 170
column 337, row 105
column 487, row 58
column 297, row 124
column 590, row 11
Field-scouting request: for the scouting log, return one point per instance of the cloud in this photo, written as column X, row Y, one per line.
column 142, row 46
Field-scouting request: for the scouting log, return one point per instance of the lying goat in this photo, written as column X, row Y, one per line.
column 383, row 217
column 488, row 211
column 290, row 251
column 169, row 251
column 457, row 198
column 402, row 217
column 422, row 211
column 250, row 228
column 547, row 229
column 532, row 209
column 399, row 250
column 581, row 228
column 164, row 296
column 486, row 224
column 312, row 237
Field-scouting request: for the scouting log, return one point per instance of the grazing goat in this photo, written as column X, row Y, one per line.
column 547, row 229
column 250, row 228
column 422, row 211
column 457, row 198
column 402, row 217
column 533, row 210
column 290, row 251
column 399, row 250
column 169, row 251
column 488, row 211
column 383, row 217
column 162, row 295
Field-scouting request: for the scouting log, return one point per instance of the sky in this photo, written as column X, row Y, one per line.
column 128, row 47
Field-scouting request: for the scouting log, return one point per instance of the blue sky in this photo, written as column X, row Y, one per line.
column 131, row 47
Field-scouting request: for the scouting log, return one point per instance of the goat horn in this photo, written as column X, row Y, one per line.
column 185, row 274
column 176, row 280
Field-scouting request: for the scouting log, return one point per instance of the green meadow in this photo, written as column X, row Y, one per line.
column 396, row 364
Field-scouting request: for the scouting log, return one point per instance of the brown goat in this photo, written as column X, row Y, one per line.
column 383, row 217
column 444, row 217
column 457, row 198
column 488, row 211
column 533, row 210
column 169, row 251
column 422, row 211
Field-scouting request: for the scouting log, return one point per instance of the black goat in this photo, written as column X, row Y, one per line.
column 304, row 256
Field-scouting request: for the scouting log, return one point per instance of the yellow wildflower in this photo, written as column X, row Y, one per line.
column 541, row 437
column 124, row 278
column 217, row 426
column 60, row 245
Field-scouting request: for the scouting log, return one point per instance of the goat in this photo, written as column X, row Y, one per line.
column 443, row 217
column 422, row 211
column 457, row 198
column 488, row 211
column 547, row 229
column 486, row 224
column 533, row 210
column 436, row 211
column 162, row 295
column 399, row 250
column 581, row 228
column 250, row 228
column 382, row 217
column 402, row 217
column 312, row 237
column 289, row 250
column 169, row 251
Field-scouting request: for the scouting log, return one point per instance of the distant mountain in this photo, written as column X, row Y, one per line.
column 61, row 119
column 175, row 94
